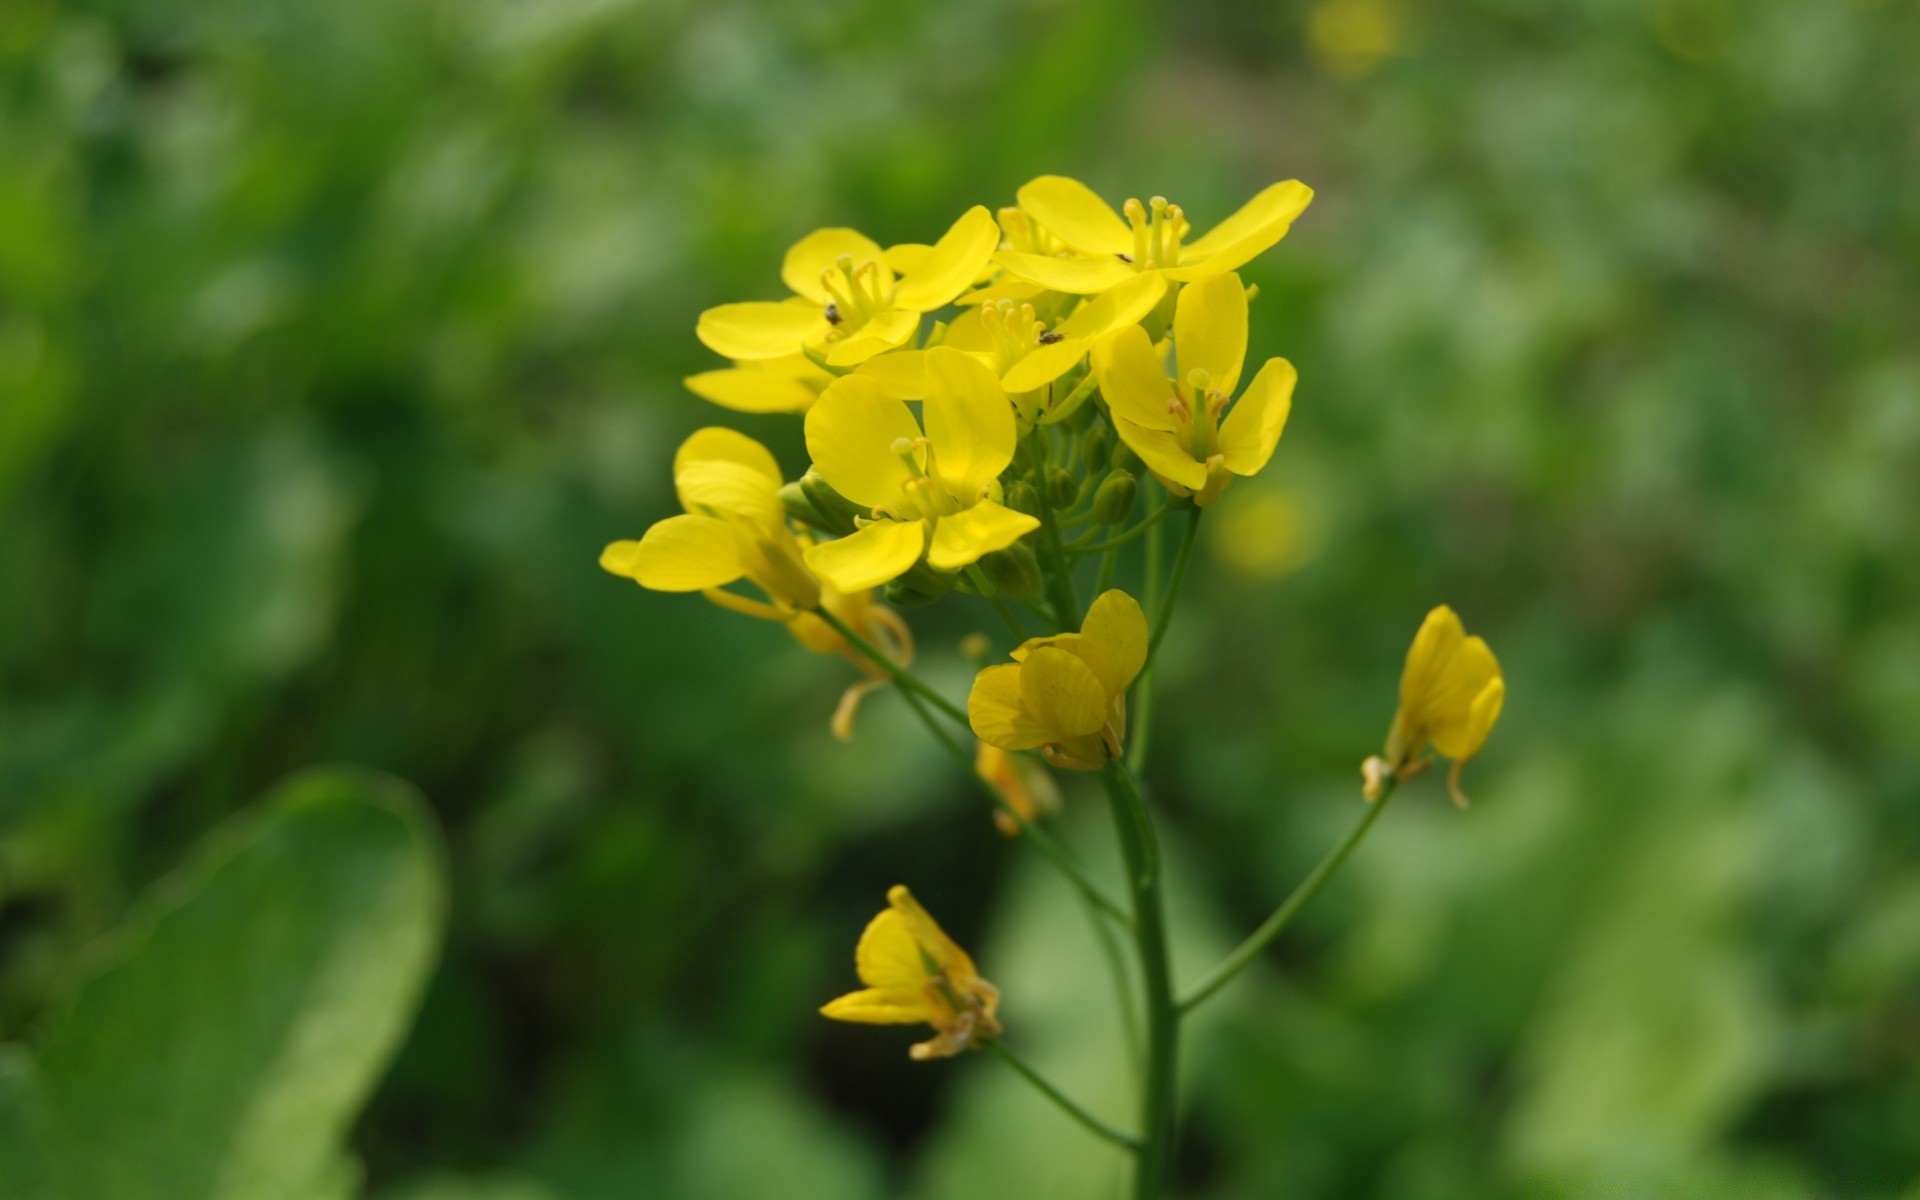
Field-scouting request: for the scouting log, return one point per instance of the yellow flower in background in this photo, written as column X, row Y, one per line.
column 1024, row 785
column 783, row 385
column 1264, row 533
column 916, row 974
column 1152, row 238
column 1176, row 426
column 853, row 300
column 931, row 492
column 1066, row 695
column 1352, row 37
column 1451, row 693
column 735, row 528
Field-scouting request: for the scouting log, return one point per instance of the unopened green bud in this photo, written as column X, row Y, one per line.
column 1061, row 487
column 1093, row 448
column 833, row 513
column 1113, row 503
column 1124, row 459
column 1022, row 496
column 919, row 586
column 1013, row 572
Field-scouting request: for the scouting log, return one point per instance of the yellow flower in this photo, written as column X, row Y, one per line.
column 785, row 385
column 933, row 493
column 1152, row 239
column 1025, row 786
column 849, row 304
column 736, row 528
column 916, row 974
column 1066, row 695
column 1451, row 692
column 1176, row 425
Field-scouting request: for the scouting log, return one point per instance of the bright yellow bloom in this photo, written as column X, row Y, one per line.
column 736, row 528
column 933, row 492
column 853, row 300
column 783, row 385
column 1176, row 425
column 1025, row 786
column 1066, row 695
column 915, row 973
column 1152, row 239
column 1451, row 692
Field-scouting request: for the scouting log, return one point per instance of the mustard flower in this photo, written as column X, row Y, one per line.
column 851, row 299
column 932, row 493
column 1066, row 695
column 784, row 385
column 1451, row 693
column 916, row 974
column 1152, row 238
column 1176, row 426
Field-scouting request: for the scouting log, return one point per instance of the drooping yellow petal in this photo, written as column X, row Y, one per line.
column 970, row 534
column 1113, row 640
column 969, row 422
column 1447, row 707
column 884, row 1006
column 1079, row 276
column 869, row 557
column 884, row 330
column 717, row 443
column 1133, row 381
column 1463, row 739
column 997, row 714
column 1256, row 420
column 1210, row 331
column 747, row 389
column 888, row 955
column 946, row 953
column 760, row 329
column 817, row 252
column 687, row 553
column 1062, row 693
column 1075, row 214
column 721, row 489
column 1260, row 223
column 851, row 435
column 953, row 264
column 1164, row 454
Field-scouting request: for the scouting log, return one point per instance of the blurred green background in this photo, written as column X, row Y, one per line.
column 337, row 337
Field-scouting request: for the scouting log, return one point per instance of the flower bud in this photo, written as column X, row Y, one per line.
column 920, row 586
column 1014, row 572
column 1124, row 459
column 1061, row 487
column 1093, row 448
column 832, row 512
column 1113, row 503
column 1022, row 496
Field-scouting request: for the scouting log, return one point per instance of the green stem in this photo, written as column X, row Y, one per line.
column 1108, row 563
column 992, row 596
column 1258, row 940
column 1143, row 690
column 1082, row 549
column 1067, row 1104
column 1181, row 557
column 1049, row 847
column 907, row 680
column 1066, row 608
column 1141, row 850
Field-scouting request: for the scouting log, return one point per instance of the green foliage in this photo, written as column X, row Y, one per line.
column 238, row 1022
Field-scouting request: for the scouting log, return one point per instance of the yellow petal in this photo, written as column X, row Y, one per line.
column 1127, row 303
column 969, row 422
column 1080, row 276
column 943, row 950
column 1075, row 214
column 1113, row 640
column 888, row 955
column 1163, row 453
column 1133, row 381
column 902, row 373
column 851, row 432
column 884, row 1006
column 760, row 328
column 884, row 330
column 751, row 391
column 1256, row 420
column 1462, row 741
column 1062, row 694
column 953, row 264
column 906, row 257
column 968, row 535
column 1210, row 331
column 869, row 557
column 717, row 443
column 1448, row 704
column 727, row 489
column 1260, row 223
column 1044, row 365
column 1428, row 659
column 817, row 252
column 680, row 554
column 998, row 715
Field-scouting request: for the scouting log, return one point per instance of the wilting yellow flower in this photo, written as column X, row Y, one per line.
column 933, row 493
column 1176, row 425
column 1451, row 692
column 849, row 304
column 1152, row 239
column 1025, row 786
column 736, row 528
column 916, row 974
column 1066, row 695
column 788, row 385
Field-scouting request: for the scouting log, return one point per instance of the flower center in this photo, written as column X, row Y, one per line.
column 1157, row 230
column 1020, row 232
column 922, row 496
column 1198, row 410
column 1014, row 331
column 858, row 289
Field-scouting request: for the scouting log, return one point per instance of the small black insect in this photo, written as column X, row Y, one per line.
column 833, row 314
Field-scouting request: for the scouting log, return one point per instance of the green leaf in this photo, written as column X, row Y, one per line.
column 242, row 1018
